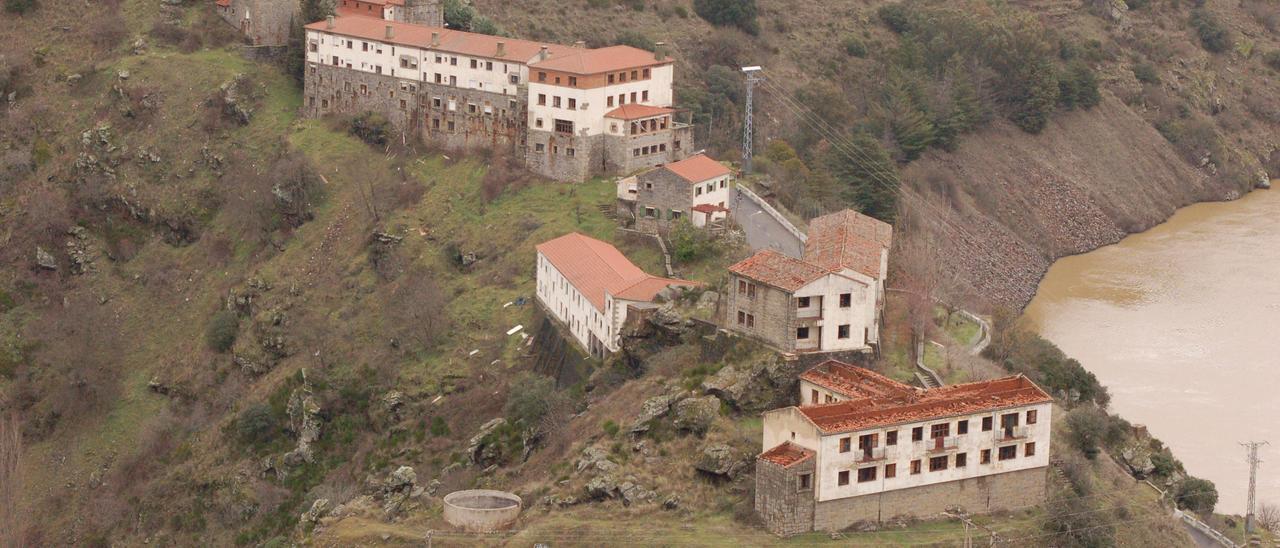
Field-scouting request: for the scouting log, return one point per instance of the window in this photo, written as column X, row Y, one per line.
column 697, row 191
column 891, row 437
column 986, row 424
column 569, row 151
column 622, row 77
column 1008, row 452
column 573, row 81
column 846, row 444
column 751, row 320
column 1029, row 449
column 962, row 460
column 573, row 104
column 813, row 394
column 985, row 457
column 542, row 77
column 890, row 471
column 537, row 122
column 312, row 47
column 635, row 75
column 940, row 430
column 676, row 214
column 1031, row 416
column 488, row 65
column 917, row 433
column 742, row 286
column 842, row 332
column 608, row 101
column 453, row 61
column 846, row 299
column 802, row 302
column 646, row 73
column 938, row 464
column 843, row 478
column 644, row 96
column 564, row 126
column 742, row 316
column 828, row 399
column 962, row 427
column 474, row 63
column 610, row 78
column 866, row 474
column 540, row 147
column 802, row 333
column 555, row 101
column 915, row 467
column 805, row 482
column 515, row 78
column 633, row 97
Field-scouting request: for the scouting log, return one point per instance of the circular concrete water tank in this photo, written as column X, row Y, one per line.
column 481, row 510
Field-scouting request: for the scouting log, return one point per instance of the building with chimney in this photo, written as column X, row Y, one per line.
column 864, row 448
column 570, row 112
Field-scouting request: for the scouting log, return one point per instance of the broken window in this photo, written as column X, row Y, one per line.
column 962, row 427
column 842, row 332
column 802, row 302
column 1031, row 416
column 986, row 456
column 915, row 466
column 938, row 464
column 845, row 300
column 1029, row 450
column 802, row 333
column 805, row 481
column 843, row 478
column 940, row 430
column 986, row 424
column 742, row 286
column 962, row 460
column 890, row 471
column 846, row 443
column 1008, row 452
column 917, row 433
column 866, row 474
column 751, row 320
column 742, row 316
column 891, row 437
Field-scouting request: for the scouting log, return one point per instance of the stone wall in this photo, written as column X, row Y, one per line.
column 424, row 12
column 785, row 508
column 419, row 108
column 978, row 495
column 562, row 156
column 269, row 20
column 621, row 159
column 664, row 191
column 775, row 316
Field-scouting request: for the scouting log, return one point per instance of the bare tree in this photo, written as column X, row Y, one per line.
column 1268, row 517
column 10, row 478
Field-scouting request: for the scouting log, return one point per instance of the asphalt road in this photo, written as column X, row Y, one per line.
column 762, row 230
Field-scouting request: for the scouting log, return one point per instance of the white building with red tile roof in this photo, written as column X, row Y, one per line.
column 589, row 287
column 695, row 188
column 882, row 449
column 569, row 111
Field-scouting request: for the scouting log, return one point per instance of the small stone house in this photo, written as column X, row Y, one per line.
column 865, row 448
column 696, row 188
column 590, row 288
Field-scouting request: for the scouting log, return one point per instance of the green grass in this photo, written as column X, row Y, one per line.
column 960, row 328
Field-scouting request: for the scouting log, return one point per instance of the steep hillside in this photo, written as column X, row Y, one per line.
column 194, row 280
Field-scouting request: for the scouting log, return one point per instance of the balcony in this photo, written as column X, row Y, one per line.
column 1011, row 433
column 942, row 445
column 873, row 454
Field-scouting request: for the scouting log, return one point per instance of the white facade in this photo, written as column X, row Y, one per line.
column 713, row 192
column 865, row 466
column 594, row 329
column 585, row 107
column 827, row 323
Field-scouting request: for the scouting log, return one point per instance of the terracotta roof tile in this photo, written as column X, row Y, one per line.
column 786, row 454
column 925, row 404
column 698, row 168
column 710, row 208
column 451, row 41
column 636, row 111
column 848, row 239
column 596, row 268
column 599, row 60
column 773, row 268
column 853, row 382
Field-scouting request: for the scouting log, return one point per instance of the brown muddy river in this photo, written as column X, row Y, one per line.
column 1180, row 323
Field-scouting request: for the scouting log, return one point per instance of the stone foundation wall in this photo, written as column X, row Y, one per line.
column 417, row 108
column 774, row 314
column 620, row 151
column 564, row 157
column 785, row 508
column 975, row 495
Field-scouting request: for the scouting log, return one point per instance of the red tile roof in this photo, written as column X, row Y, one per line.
column 786, row 454
column 600, row 60
column 223, row 3
column 451, row 41
column 848, row 239
column 709, row 208
column 635, row 111
column 925, row 404
column 596, row 268
column 852, row 381
column 773, row 268
column 698, row 168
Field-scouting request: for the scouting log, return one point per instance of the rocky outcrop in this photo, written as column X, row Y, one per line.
column 651, row 409
column 753, row 387
column 721, row 461
column 400, row 485
column 304, row 422
column 479, row 451
column 45, row 260
column 696, row 414
column 595, row 460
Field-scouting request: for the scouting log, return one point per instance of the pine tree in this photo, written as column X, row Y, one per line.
column 867, row 176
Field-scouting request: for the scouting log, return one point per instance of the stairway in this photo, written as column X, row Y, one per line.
column 610, row 211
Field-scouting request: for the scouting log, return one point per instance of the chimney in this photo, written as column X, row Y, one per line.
column 435, row 39
column 544, row 54
column 660, row 51
column 502, row 49
column 580, row 44
column 329, row 22
column 390, row 32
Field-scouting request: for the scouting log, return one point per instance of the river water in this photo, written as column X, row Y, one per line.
column 1181, row 323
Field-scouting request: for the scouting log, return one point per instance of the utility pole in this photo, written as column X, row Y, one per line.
column 1252, row 448
column 753, row 76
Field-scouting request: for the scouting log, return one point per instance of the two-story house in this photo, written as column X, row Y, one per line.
column 695, row 188
column 589, row 288
column 873, row 449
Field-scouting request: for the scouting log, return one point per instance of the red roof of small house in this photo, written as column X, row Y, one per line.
column 710, row 208
column 786, row 454
column 778, row 270
column 451, row 41
column 848, row 239
column 852, row 381
column 698, row 168
column 223, row 3
column 599, row 60
column 636, row 111
column 925, row 404
column 596, row 268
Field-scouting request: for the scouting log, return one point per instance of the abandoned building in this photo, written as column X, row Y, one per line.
column 829, row 300
column 261, row 22
column 865, row 448
column 418, row 12
column 695, row 188
column 570, row 112
column 590, row 288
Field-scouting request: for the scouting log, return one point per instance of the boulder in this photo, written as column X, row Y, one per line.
column 652, row 408
column 317, row 511
column 631, row 493
column 476, row 448
column 400, row 479
column 304, row 422
column 721, row 461
column 602, row 487
column 45, row 260
column 752, row 388
column 696, row 414
column 392, row 402
column 672, row 502
column 595, row 460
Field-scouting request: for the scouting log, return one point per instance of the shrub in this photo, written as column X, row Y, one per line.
column 1146, row 73
column 530, row 399
column 439, row 428
column 689, row 243
column 1078, row 86
column 868, row 179
column 635, row 39
column 610, row 428
column 1090, row 429
column 20, row 7
column 729, row 13
column 854, row 47
column 371, row 127
column 458, row 14
column 895, row 16
column 108, row 31
column 485, row 25
column 256, row 426
column 1213, row 35
column 221, row 333
column 1196, row 494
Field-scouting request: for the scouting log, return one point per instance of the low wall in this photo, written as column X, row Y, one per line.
column 481, row 510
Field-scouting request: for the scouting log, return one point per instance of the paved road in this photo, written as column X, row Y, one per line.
column 763, row 231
